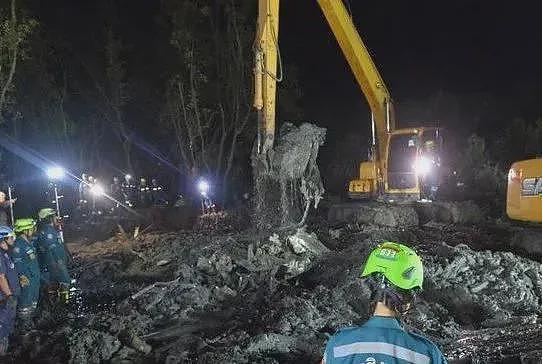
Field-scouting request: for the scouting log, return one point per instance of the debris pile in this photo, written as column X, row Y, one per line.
column 249, row 297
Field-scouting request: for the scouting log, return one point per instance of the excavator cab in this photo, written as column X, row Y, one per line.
column 410, row 171
column 403, row 149
column 413, row 163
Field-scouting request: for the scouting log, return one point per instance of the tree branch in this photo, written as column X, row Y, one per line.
column 14, row 55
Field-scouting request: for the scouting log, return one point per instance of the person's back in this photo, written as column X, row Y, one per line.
column 50, row 247
column 380, row 340
column 395, row 274
column 24, row 257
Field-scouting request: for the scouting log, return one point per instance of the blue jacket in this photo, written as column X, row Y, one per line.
column 52, row 256
column 24, row 256
column 380, row 340
column 49, row 238
column 7, row 268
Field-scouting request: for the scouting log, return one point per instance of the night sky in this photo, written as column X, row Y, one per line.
column 422, row 48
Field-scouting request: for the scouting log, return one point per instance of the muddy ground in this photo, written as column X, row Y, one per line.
column 223, row 293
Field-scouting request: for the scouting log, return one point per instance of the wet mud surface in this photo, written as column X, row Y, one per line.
column 218, row 294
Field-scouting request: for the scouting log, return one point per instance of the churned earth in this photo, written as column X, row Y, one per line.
column 221, row 292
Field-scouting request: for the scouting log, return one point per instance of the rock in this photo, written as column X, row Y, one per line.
column 335, row 233
column 124, row 356
column 223, row 293
column 131, row 339
column 271, row 343
column 162, row 262
column 528, row 239
column 275, row 246
column 92, row 346
column 224, row 265
column 479, row 287
column 297, row 266
column 365, row 214
column 302, row 242
column 396, row 216
column 497, row 281
column 205, row 265
column 402, row 216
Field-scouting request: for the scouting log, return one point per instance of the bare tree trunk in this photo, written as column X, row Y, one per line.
column 233, row 146
column 61, row 105
column 223, row 138
column 197, row 115
column 188, row 127
column 127, row 148
column 14, row 54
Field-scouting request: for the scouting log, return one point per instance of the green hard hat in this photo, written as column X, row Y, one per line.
column 398, row 263
column 46, row 212
column 22, row 225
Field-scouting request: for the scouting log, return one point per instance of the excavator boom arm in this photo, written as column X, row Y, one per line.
column 265, row 71
column 356, row 53
column 354, row 50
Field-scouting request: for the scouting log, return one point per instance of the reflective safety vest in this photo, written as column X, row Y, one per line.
column 381, row 340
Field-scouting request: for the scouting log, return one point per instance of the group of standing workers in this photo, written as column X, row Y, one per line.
column 128, row 193
column 33, row 269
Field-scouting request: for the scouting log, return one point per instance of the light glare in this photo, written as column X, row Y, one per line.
column 97, row 190
column 422, row 166
column 56, row 172
column 203, row 187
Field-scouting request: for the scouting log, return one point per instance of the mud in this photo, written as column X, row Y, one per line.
column 241, row 296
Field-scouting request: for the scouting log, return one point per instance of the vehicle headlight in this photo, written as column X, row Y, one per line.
column 422, row 166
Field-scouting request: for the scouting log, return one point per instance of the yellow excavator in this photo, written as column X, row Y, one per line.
column 403, row 162
column 524, row 193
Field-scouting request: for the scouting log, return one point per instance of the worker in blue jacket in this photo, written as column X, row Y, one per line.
column 52, row 256
column 23, row 254
column 395, row 273
column 10, row 289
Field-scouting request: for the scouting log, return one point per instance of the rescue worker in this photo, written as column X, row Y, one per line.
column 430, row 181
column 5, row 205
column 144, row 197
column 23, row 254
column 9, row 288
column 181, row 201
column 115, row 191
column 96, row 208
column 52, row 256
column 128, row 191
column 84, row 195
column 395, row 275
column 157, row 193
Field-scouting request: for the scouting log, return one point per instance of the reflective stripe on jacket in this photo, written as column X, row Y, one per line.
column 381, row 340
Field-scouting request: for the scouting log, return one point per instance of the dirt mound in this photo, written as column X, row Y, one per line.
column 241, row 297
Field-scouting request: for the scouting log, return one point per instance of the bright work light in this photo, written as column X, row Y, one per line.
column 97, row 190
column 422, row 166
column 203, row 187
column 56, row 172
